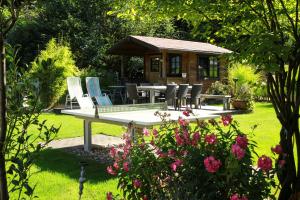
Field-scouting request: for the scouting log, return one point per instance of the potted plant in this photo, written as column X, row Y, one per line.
column 243, row 98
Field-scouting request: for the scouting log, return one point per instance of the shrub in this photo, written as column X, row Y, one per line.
column 106, row 78
column 208, row 162
column 218, row 88
column 27, row 135
column 51, row 68
column 244, row 74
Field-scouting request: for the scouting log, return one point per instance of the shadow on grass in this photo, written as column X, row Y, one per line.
column 59, row 161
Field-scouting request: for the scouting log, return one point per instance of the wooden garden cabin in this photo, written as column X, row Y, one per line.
column 178, row 61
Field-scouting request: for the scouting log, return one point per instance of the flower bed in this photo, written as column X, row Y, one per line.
column 211, row 161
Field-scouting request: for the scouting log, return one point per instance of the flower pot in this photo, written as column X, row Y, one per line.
column 240, row 104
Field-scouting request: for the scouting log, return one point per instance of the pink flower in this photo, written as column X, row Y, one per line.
column 235, row 197
column 211, row 139
column 176, row 164
column 238, row 197
column 242, row 141
column 116, row 166
column 146, row 132
column 186, row 113
column 137, row 183
column 196, row 138
column 237, row 151
column 160, row 153
column 183, row 122
column 277, row 149
column 110, row 170
column 211, row 164
column 186, row 137
column 184, row 153
column 281, row 163
column 226, row 119
column 171, row 153
column 264, row 163
column 112, row 152
column 126, row 166
column 155, row 132
column 145, row 197
column 179, row 140
column 109, row 196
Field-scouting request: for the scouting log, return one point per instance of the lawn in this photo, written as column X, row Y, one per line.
column 57, row 172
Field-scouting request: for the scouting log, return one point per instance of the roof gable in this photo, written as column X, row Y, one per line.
column 158, row 44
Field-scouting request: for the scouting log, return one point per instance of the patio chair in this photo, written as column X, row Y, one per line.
column 75, row 94
column 195, row 95
column 94, row 91
column 132, row 93
column 181, row 95
column 170, row 95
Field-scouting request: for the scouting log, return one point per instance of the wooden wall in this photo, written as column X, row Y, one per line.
column 189, row 66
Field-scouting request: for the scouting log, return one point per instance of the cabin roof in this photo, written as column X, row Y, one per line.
column 140, row 45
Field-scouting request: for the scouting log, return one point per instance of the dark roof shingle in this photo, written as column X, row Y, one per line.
column 181, row 45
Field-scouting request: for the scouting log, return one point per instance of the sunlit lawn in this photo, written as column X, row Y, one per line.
column 57, row 172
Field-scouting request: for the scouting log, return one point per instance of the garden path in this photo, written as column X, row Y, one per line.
column 99, row 139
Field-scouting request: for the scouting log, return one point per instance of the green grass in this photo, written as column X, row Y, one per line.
column 73, row 127
column 267, row 132
column 57, row 172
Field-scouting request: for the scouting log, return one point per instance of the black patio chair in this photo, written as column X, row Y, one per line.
column 132, row 93
column 181, row 95
column 170, row 95
column 194, row 98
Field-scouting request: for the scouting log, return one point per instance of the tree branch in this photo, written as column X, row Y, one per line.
column 263, row 17
column 290, row 19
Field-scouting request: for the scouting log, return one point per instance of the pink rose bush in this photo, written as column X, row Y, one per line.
column 212, row 164
column 181, row 160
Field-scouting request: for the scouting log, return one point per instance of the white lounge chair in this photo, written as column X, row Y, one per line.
column 94, row 91
column 76, row 95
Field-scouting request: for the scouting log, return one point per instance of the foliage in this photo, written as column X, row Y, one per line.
column 86, row 26
column 50, row 69
column 218, row 88
column 22, row 145
column 180, row 162
column 260, row 91
column 244, row 93
column 106, row 77
column 244, row 74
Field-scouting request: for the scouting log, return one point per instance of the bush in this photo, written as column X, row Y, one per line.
column 244, row 74
column 51, row 68
column 208, row 162
column 106, row 78
column 218, row 88
column 27, row 135
column 260, row 91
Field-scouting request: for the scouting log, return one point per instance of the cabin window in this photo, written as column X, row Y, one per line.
column 175, row 62
column 208, row 67
column 155, row 63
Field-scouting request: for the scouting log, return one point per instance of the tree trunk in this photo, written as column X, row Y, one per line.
column 284, row 91
column 3, row 181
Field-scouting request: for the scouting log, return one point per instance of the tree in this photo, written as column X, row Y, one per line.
column 9, row 13
column 265, row 33
column 85, row 25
